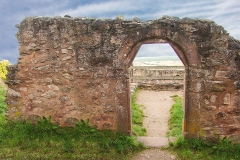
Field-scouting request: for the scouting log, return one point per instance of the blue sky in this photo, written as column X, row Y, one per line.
column 224, row 12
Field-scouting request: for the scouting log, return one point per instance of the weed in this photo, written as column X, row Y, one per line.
column 3, row 105
column 200, row 149
column 195, row 149
column 175, row 122
column 45, row 140
column 137, row 116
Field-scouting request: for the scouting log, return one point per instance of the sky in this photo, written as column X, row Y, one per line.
column 224, row 12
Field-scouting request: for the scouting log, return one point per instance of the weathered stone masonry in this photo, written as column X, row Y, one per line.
column 77, row 68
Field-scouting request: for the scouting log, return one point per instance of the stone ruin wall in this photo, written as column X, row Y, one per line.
column 77, row 68
column 158, row 78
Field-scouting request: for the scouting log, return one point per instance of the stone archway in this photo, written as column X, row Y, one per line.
column 77, row 68
column 187, row 54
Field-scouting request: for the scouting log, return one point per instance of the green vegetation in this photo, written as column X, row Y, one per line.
column 3, row 69
column 195, row 149
column 3, row 105
column 137, row 116
column 175, row 122
column 45, row 140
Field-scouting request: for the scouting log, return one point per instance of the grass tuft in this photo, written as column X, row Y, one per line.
column 21, row 140
column 195, row 149
column 3, row 105
column 175, row 122
column 137, row 116
column 45, row 140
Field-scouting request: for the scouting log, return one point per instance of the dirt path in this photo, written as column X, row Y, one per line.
column 154, row 154
column 156, row 108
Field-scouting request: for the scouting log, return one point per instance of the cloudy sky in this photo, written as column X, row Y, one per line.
column 12, row 12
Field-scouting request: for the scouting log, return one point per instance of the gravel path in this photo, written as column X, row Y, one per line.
column 154, row 154
column 156, row 108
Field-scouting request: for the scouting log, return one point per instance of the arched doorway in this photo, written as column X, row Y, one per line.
column 157, row 78
column 187, row 54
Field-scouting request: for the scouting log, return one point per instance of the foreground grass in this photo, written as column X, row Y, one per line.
column 22, row 140
column 175, row 122
column 137, row 116
column 196, row 149
column 3, row 105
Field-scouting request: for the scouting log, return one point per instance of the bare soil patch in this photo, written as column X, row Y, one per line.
column 154, row 154
column 156, row 106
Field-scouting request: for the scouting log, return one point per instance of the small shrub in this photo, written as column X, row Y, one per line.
column 3, row 69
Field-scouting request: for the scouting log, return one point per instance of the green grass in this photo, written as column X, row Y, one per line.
column 175, row 122
column 195, row 149
column 23, row 140
column 137, row 116
column 3, row 105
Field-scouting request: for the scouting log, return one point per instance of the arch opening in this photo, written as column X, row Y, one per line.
column 159, row 72
column 132, row 52
column 187, row 53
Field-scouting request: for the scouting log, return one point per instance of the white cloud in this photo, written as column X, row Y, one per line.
column 226, row 7
column 155, row 50
column 102, row 8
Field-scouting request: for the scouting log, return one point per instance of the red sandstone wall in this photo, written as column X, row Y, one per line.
column 77, row 68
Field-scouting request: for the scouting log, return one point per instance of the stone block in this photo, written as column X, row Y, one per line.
column 100, row 73
column 64, row 51
column 53, row 87
column 117, row 73
column 13, row 94
column 84, row 74
column 49, row 94
column 66, row 58
column 213, row 98
column 226, row 99
column 221, row 74
column 210, row 108
column 67, row 76
column 216, row 86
